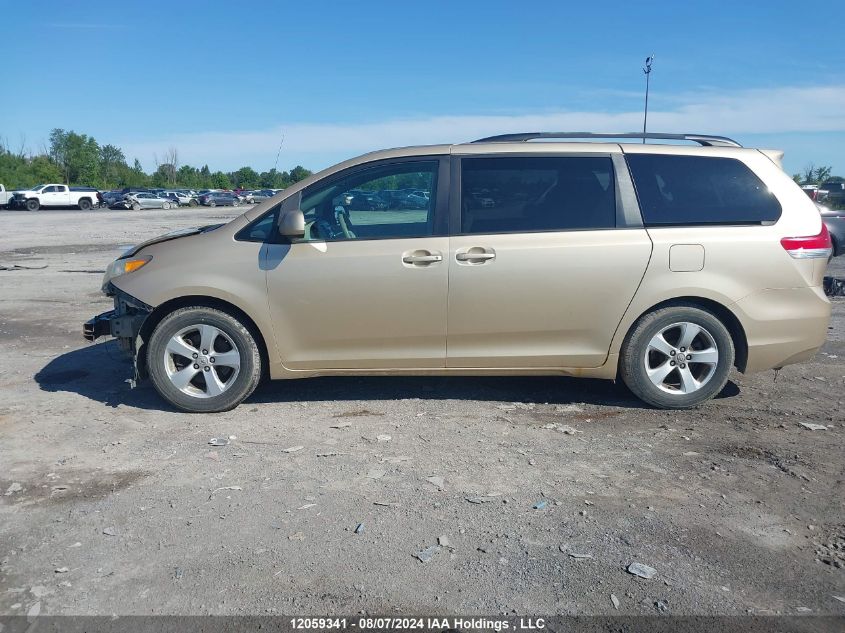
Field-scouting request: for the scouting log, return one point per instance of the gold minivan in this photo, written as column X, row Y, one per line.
column 525, row 254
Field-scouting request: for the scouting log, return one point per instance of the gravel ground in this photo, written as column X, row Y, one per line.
column 530, row 495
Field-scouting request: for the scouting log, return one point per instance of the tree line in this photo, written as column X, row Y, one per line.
column 79, row 160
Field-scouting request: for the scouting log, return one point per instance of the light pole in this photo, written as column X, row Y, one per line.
column 647, row 72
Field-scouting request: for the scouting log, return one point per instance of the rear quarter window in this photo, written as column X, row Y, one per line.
column 680, row 190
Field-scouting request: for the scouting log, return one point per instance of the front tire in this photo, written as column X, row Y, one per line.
column 677, row 357
column 165, row 206
column 193, row 203
column 203, row 360
column 33, row 205
column 212, row 204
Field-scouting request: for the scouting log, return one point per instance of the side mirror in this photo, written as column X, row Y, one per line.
column 292, row 223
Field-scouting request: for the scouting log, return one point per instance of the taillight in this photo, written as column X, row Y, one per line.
column 809, row 246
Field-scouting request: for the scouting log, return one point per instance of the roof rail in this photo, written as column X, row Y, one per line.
column 706, row 140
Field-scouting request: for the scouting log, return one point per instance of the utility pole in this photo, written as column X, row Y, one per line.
column 647, row 72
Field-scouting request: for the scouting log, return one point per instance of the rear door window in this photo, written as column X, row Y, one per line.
column 681, row 190
column 538, row 193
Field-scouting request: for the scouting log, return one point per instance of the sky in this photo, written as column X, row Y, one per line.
column 226, row 82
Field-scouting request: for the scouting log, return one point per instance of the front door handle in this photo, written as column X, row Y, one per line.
column 421, row 258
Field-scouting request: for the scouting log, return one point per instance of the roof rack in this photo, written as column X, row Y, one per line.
column 706, row 140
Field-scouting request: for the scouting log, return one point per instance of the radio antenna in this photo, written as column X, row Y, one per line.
column 647, row 71
column 281, row 142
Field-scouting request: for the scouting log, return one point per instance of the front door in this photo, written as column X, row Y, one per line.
column 540, row 270
column 366, row 287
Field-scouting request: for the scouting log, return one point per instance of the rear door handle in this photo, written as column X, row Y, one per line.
column 475, row 255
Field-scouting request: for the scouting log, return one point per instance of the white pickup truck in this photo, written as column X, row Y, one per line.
column 54, row 195
column 5, row 196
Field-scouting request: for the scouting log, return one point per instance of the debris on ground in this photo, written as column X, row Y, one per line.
column 306, row 506
column 443, row 541
column 383, row 438
column 61, row 570
column 579, row 555
column 813, row 426
column 643, row 571
column 427, row 554
column 292, row 449
column 223, row 488
column 219, row 441
column 21, row 267
column 615, row 601
column 341, row 425
column 110, row 531
column 568, row 430
column 540, row 505
column 13, row 488
column 480, row 499
column 359, row 529
column 178, row 573
column 436, row 481
column 398, row 459
column 661, row 606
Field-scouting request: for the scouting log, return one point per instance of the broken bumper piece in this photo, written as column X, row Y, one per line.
column 99, row 326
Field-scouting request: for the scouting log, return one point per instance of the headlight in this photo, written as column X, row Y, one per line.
column 123, row 266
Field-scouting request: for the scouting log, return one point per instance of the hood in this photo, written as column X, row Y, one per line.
column 173, row 235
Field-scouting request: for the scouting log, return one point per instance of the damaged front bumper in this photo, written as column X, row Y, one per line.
column 123, row 323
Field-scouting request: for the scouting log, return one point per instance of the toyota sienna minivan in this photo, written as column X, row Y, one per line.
column 664, row 265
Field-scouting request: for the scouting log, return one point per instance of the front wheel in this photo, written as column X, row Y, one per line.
column 212, row 204
column 203, row 360
column 136, row 207
column 677, row 357
column 165, row 206
column 33, row 205
column 193, row 203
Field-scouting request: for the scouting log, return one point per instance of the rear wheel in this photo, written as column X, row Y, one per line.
column 193, row 203
column 677, row 357
column 212, row 203
column 236, row 202
column 136, row 207
column 203, row 360
column 165, row 206
column 84, row 204
column 33, row 205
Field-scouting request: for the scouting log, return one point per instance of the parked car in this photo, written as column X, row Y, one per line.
column 181, row 198
column 54, row 195
column 834, row 220
column 254, row 197
column 143, row 200
column 219, row 199
column 5, row 197
column 831, row 192
column 662, row 265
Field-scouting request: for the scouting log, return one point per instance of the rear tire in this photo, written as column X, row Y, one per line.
column 212, row 204
column 193, row 203
column 84, row 204
column 201, row 385
column 165, row 206
column 136, row 207
column 33, row 205
column 655, row 369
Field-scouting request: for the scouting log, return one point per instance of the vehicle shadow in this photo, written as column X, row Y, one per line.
column 98, row 372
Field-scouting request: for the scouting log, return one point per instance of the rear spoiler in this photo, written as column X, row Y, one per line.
column 774, row 155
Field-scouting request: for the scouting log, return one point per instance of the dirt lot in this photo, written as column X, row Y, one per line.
column 541, row 490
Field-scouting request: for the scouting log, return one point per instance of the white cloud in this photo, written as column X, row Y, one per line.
column 760, row 111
